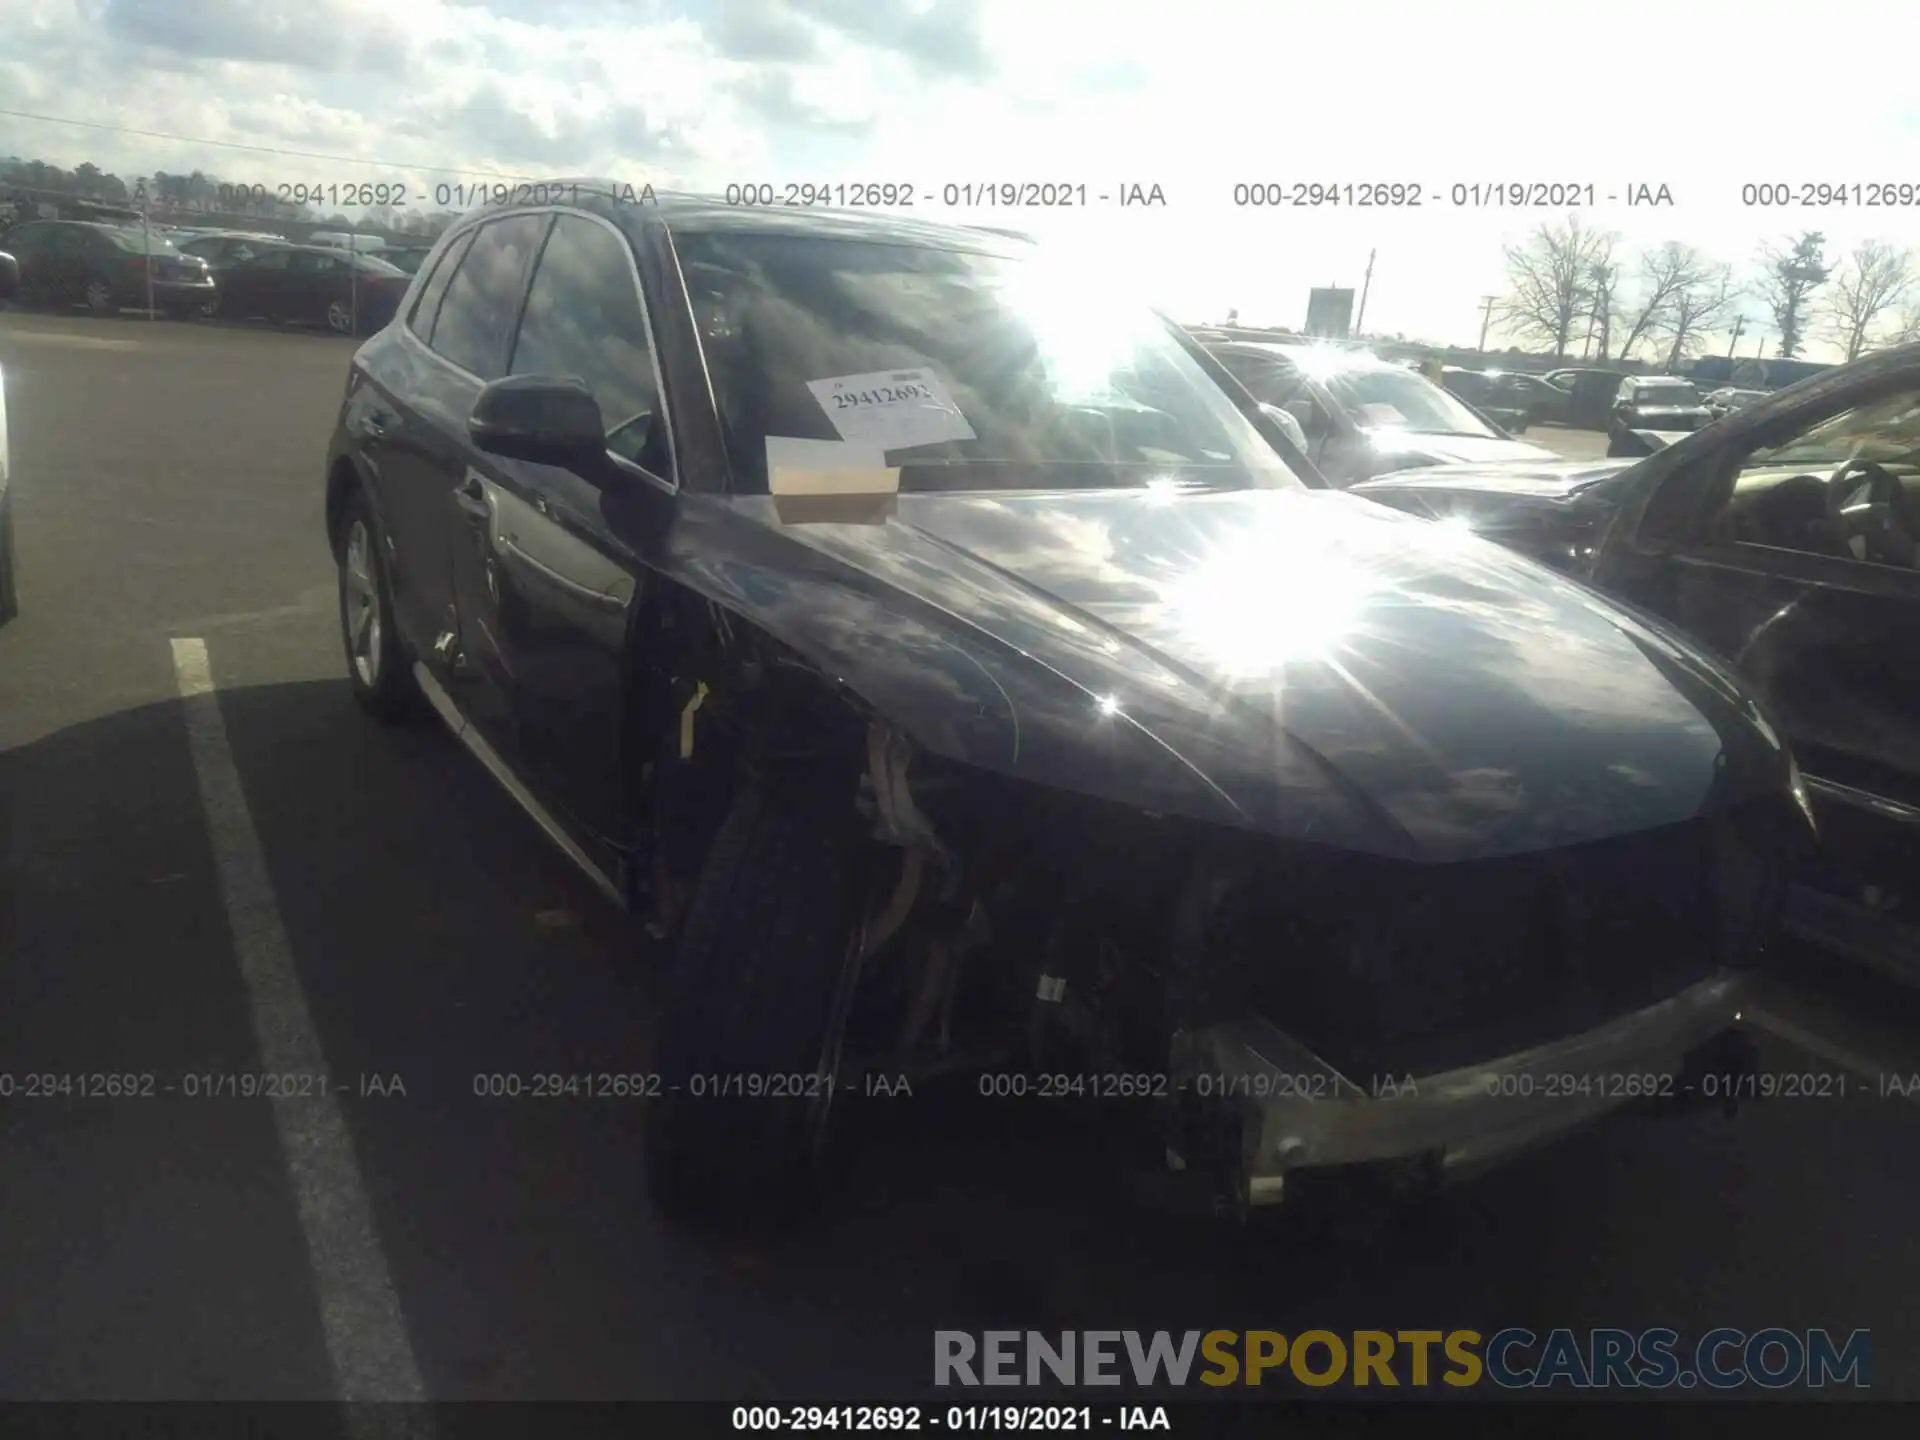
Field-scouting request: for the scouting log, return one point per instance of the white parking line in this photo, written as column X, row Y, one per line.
column 359, row 1311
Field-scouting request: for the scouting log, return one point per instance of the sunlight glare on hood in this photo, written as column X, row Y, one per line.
column 1270, row 596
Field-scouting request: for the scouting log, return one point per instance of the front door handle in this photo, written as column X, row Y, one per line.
column 471, row 496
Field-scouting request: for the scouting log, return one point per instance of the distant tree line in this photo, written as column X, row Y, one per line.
column 196, row 197
column 1569, row 285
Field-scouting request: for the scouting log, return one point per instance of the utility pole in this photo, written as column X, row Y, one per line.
column 1739, row 324
column 1366, row 284
column 1487, row 302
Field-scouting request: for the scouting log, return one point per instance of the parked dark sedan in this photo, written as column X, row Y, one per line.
column 946, row 657
column 407, row 257
column 1364, row 416
column 1787, row 538
column 9, row 594
column 105, row 267
column 313, row 285
column 224, row 251
column 1511, row 400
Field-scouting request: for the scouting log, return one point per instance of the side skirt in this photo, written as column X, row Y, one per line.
column 464, row 732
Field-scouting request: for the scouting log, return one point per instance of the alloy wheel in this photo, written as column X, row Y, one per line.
column 339, row 318
column 99, row 296
column 360, row 602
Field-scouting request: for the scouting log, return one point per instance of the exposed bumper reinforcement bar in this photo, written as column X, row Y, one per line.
column 1299, row 1113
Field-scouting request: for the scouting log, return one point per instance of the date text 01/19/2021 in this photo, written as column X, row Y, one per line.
column 399, row 194
column 957, row 1418
column 195, row 1085
column 962, row 195
column 1476, row 195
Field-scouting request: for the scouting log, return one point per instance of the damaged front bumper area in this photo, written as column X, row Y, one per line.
column 1296, row 1113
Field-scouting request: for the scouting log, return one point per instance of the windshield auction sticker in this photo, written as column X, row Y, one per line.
column 894, row 409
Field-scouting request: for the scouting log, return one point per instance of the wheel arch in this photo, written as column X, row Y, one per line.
column 344, row 480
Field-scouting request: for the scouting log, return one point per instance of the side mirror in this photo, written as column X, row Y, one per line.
column 9, row 277
column 548, row 419
column 1286, row 421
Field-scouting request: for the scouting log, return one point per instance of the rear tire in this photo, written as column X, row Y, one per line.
column 378, row 666
column 758, row 995
column 100, row 298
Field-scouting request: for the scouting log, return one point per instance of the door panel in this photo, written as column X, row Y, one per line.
column 545, row 591
column 423, row 455
column 551, row 563
column 426, row 449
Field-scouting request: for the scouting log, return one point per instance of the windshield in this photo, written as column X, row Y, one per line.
column 1385, row 396
column 136, row 241
column 967, row 371
column 1680, row 394
column 1887, row 431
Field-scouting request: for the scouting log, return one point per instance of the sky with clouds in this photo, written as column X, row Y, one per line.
column 1194, row 97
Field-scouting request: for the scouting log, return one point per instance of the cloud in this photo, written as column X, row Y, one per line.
column 772, row 95
column 312, row 34
column 511, row 131
column 1196, row 99
column 762, row 30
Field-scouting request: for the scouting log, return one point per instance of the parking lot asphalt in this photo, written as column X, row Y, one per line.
column 168, row 491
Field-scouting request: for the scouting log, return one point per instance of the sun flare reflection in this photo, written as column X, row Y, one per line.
column 1267, row 599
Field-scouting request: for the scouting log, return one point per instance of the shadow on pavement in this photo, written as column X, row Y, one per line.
column 440, row 939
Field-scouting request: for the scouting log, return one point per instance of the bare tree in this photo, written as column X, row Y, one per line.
column 1550, row 280
column 1603, row 279
column 1695, row 309
column 1867, row 284
column 1664, row 274
column 1791, row 276
column 1907, row 328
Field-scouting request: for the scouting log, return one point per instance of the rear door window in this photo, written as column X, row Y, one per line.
column 427, row 307
column 482, row 303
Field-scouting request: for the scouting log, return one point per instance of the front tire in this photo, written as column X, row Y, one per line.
column 377, row 664
column 758, row 1001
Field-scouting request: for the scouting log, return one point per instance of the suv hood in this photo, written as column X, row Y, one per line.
column 1404, row 448
column 1550, row 480
column 1303, row 663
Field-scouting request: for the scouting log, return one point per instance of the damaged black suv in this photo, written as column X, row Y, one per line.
column 961, row 671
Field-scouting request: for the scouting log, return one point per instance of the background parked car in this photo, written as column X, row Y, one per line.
column 1485, row 392
column 1365, row 416
column 104, row 267
column 313, row 285
column 342, row 240
column 9, row 595
column 407, row 257
column 1726, row 400
column 1661, row 403
column 1511, row 400
column 1787, row 538
column 1543, row 402
column 223, row 252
